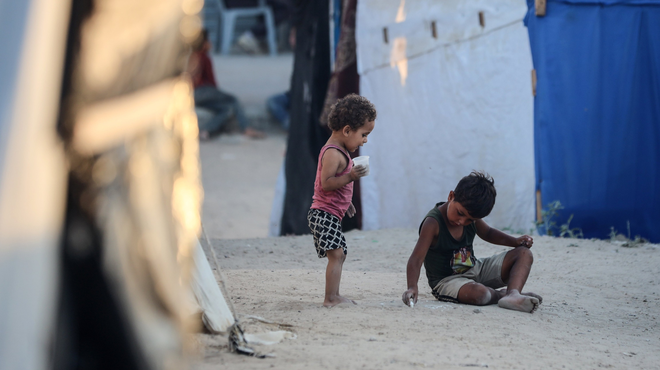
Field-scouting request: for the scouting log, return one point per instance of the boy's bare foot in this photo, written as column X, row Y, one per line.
column 533, row 295
column 254, row 134
column 335, row 300
column 513, row 300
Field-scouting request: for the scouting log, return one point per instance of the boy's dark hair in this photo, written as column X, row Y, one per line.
column 200, row 40
column 476, row 192
column 353, row 111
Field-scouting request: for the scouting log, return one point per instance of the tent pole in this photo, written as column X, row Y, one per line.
column 539, row 206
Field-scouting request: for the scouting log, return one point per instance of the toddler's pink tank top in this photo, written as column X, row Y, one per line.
column 335, row 202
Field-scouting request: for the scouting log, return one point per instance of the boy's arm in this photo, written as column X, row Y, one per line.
column 430, row 230
column 332, row 160
column 495, row 236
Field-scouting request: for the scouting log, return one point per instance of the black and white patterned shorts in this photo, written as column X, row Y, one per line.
column 326, row 230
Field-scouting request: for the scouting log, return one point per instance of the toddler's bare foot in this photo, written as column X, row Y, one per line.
column 513, row 300
column 335, row 300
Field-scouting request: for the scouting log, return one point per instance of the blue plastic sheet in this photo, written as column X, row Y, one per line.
column 597, row 113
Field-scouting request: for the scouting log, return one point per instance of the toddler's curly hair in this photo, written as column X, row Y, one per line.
column 352, row 110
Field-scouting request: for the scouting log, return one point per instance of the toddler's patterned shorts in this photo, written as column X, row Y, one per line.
column 326, row 230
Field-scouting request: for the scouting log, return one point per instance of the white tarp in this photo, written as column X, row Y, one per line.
column 448, row 104
column 216, row 315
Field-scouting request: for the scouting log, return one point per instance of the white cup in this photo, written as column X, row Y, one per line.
column 362, row 160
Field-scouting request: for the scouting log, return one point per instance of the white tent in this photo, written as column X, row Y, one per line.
column 451, row 81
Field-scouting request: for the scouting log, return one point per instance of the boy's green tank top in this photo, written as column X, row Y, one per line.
column 448, row 256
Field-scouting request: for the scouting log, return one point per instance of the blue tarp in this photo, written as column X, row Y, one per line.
column 597, row 113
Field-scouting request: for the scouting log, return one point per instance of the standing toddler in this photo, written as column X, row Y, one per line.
column 351, row 119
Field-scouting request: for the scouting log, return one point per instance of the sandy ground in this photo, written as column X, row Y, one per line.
column 239, row 178
column 600, row 309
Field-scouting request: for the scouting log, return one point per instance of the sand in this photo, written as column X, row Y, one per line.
column 239, row 177
column 600, row 310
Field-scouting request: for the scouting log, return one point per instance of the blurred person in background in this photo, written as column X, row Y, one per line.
column 208, row 96
column 278, row 107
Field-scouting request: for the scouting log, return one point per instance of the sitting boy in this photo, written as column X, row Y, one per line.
column 445, row 247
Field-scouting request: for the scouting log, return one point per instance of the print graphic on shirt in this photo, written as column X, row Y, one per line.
column 463, row 260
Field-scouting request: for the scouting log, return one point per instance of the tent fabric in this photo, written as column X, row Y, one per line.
column 309, row 84
column 597, row 113
column 217, row 317
column 449, row 102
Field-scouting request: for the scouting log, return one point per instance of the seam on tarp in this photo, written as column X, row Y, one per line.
column 446, row 44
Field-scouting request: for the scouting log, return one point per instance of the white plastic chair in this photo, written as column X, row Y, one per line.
column 228, row 18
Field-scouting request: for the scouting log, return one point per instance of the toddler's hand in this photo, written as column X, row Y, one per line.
column 358, row 171
column 350, row 212
column 525, row 241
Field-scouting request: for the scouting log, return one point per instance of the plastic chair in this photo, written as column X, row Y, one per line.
column 228, row 18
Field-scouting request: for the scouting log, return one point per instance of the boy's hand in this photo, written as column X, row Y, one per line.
column 408, row 294
column 350, row 212
column 357, row 172
column 525, row 241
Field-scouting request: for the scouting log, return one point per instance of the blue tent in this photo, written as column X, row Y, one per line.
column 597, row 113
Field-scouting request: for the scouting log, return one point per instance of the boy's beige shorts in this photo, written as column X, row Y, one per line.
column 487, row 271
